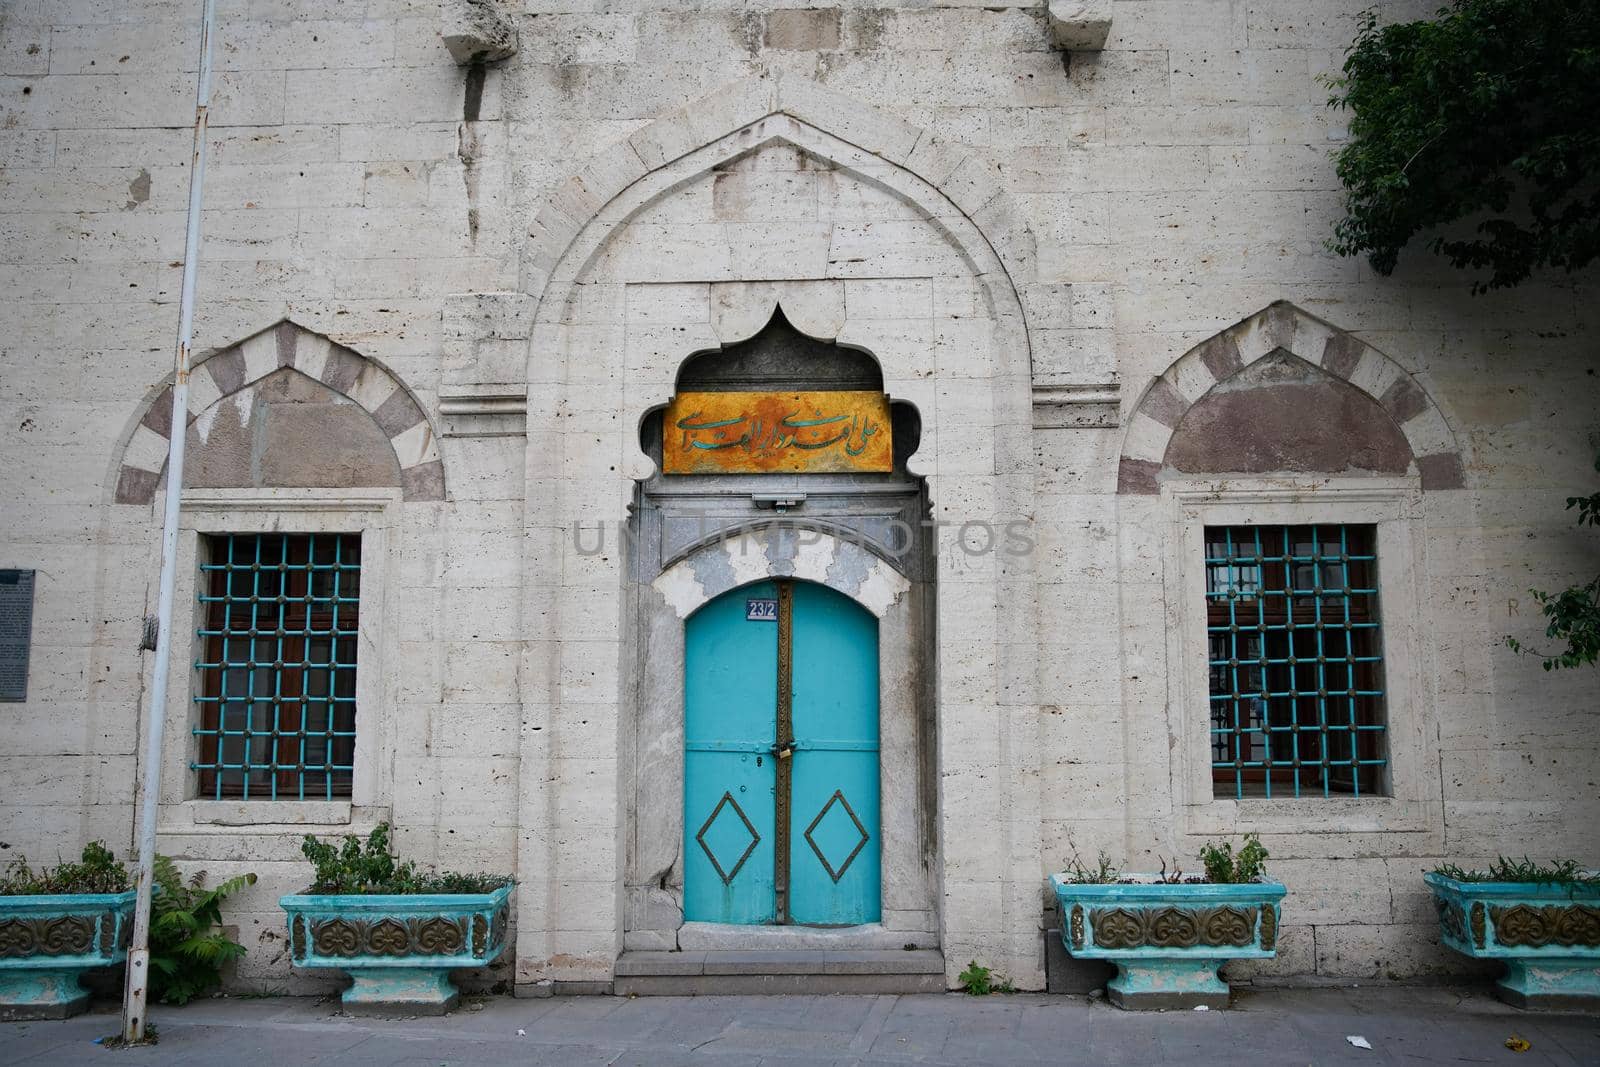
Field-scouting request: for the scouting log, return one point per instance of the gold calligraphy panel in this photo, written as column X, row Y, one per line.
column 768, row 433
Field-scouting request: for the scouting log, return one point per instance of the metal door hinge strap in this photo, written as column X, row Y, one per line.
column 785, row 743
column 760, row 748
column 826, row 745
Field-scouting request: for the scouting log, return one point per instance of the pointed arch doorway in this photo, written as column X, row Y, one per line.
column 781, row 758
column 855, row 848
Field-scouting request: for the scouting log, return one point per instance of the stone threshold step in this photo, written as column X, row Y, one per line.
column 767, row 985
column 781, row 961
column 746, row 972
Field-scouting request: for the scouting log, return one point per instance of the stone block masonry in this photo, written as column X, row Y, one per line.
column 1056, row 257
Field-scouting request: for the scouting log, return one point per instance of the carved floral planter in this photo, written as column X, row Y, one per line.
column 399, row 949
column 48, row 941
column 1547, row 934
column 1168, row 940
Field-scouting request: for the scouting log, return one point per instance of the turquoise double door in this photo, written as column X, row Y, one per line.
column 781, row 758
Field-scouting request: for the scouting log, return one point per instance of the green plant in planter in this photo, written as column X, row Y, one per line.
column 369, row 867
column 1169, row 932
column 187, row 945
column 1224, row 867
column 397, row 930
column 1539, row 919
column 96, row 871
column 1079, row 873
column 1566, row 872
column 57, row 924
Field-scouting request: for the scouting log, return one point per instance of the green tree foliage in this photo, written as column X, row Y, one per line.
column 187, row 945
column 1573, row 615
column 1488, row 114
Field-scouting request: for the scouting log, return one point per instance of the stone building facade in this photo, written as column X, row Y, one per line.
column 442, row 306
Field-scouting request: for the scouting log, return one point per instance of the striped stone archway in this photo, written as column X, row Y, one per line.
column 226, row 371
column 1282, row 327
column 781, row 551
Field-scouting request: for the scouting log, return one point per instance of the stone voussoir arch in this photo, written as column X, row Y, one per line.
column 1283, row 327
column 225, row 371
column 780, row 550
column 963, row 193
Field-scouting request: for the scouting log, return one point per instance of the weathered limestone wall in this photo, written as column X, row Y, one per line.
column 338, row 193
column 1154, row 194
column 700, row 253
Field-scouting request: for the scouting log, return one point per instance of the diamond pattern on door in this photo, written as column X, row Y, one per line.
column 781, row 759
column 837, row 834
column 728, row 834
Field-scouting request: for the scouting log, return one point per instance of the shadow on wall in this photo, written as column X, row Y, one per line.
column 1283, row 414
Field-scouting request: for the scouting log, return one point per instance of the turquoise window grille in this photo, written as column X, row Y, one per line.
column 277, row 665
column 1296, row 661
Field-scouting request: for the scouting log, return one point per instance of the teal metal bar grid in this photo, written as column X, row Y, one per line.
column 277, row 665
column 1295, row 658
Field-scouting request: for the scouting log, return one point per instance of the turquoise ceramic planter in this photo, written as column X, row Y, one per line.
column 48, row 941
column 399, row 949
column 1169, row 940
column 1547, row 935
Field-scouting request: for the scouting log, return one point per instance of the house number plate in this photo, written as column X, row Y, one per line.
column 761, row 609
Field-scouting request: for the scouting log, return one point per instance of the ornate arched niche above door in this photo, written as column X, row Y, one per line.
column 791, row 422
column 781, row 402
column 763, row 515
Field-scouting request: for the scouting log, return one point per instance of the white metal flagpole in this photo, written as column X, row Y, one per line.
column 134, row 995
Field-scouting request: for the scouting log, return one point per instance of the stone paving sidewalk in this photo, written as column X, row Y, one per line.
column 1301, row 1026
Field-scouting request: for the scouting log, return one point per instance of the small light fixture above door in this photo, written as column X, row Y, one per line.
column 778, row 501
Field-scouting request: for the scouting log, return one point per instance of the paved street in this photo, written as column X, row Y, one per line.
column 1304, row 1026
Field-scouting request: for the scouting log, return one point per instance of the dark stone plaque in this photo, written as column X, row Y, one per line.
column 16, row 631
